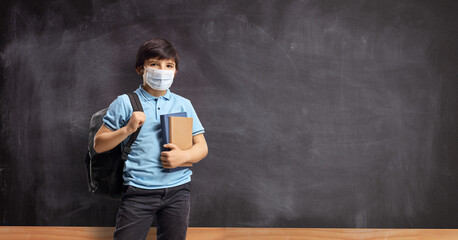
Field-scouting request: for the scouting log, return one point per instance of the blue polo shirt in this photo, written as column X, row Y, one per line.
column 143, row 167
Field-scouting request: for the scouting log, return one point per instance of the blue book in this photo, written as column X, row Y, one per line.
column 165, row 125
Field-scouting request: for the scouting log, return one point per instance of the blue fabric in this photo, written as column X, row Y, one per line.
column 143, row 167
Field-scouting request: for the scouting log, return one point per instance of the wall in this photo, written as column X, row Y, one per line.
column 317, row 113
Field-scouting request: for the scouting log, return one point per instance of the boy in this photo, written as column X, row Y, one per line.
column 150, row 188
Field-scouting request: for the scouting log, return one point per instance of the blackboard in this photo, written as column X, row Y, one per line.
column 317, row 113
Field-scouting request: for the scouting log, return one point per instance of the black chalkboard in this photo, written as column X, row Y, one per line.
column 317, row 113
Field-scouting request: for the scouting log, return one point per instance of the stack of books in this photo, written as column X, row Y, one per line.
column 177, row 129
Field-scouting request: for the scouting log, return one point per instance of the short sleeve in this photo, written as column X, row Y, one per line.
column 197, row 127
column 117, row 114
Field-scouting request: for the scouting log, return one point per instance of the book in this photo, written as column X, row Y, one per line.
column 165, row 126
column 180, row 133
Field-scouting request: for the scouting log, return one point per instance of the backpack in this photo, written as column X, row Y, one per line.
column 104, row 170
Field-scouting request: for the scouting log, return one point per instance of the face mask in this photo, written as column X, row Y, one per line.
column 158, row 79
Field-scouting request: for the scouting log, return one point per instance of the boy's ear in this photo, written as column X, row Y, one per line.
column 139, row 70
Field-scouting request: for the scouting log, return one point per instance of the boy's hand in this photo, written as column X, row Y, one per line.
column 173, row 158
column 136, row 120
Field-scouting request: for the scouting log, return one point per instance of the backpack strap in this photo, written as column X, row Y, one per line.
column 137, row 106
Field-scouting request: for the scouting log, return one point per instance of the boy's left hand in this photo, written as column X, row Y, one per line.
column 173, row 158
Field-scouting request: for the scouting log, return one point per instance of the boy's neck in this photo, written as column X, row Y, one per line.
column 155, row 93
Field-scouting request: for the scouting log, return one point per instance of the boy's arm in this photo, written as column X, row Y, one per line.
column 106, row 139
column 177, row 157
column 199, row 149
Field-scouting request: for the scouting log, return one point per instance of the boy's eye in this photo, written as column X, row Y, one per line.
column 170, row 66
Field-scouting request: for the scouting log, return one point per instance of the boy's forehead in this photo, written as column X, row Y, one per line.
column 159, row 60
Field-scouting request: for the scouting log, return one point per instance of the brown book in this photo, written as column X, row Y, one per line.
column 180, row 132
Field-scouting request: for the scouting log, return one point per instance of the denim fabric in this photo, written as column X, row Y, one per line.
column 139, row 206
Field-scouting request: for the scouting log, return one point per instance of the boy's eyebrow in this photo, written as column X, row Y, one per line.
column 155, row 60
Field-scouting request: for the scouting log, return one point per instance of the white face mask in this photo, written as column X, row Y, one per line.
column 158, row 79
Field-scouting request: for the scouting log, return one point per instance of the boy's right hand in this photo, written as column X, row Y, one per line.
column 136, row 120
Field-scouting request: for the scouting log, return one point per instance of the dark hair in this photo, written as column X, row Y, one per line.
column 156, row 48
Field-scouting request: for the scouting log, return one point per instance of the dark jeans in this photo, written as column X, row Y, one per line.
column 139, row 206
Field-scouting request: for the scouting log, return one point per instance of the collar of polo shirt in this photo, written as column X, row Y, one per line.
column 148, row 97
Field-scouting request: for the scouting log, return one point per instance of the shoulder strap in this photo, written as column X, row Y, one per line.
column 135, row 101
column 137, row 106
